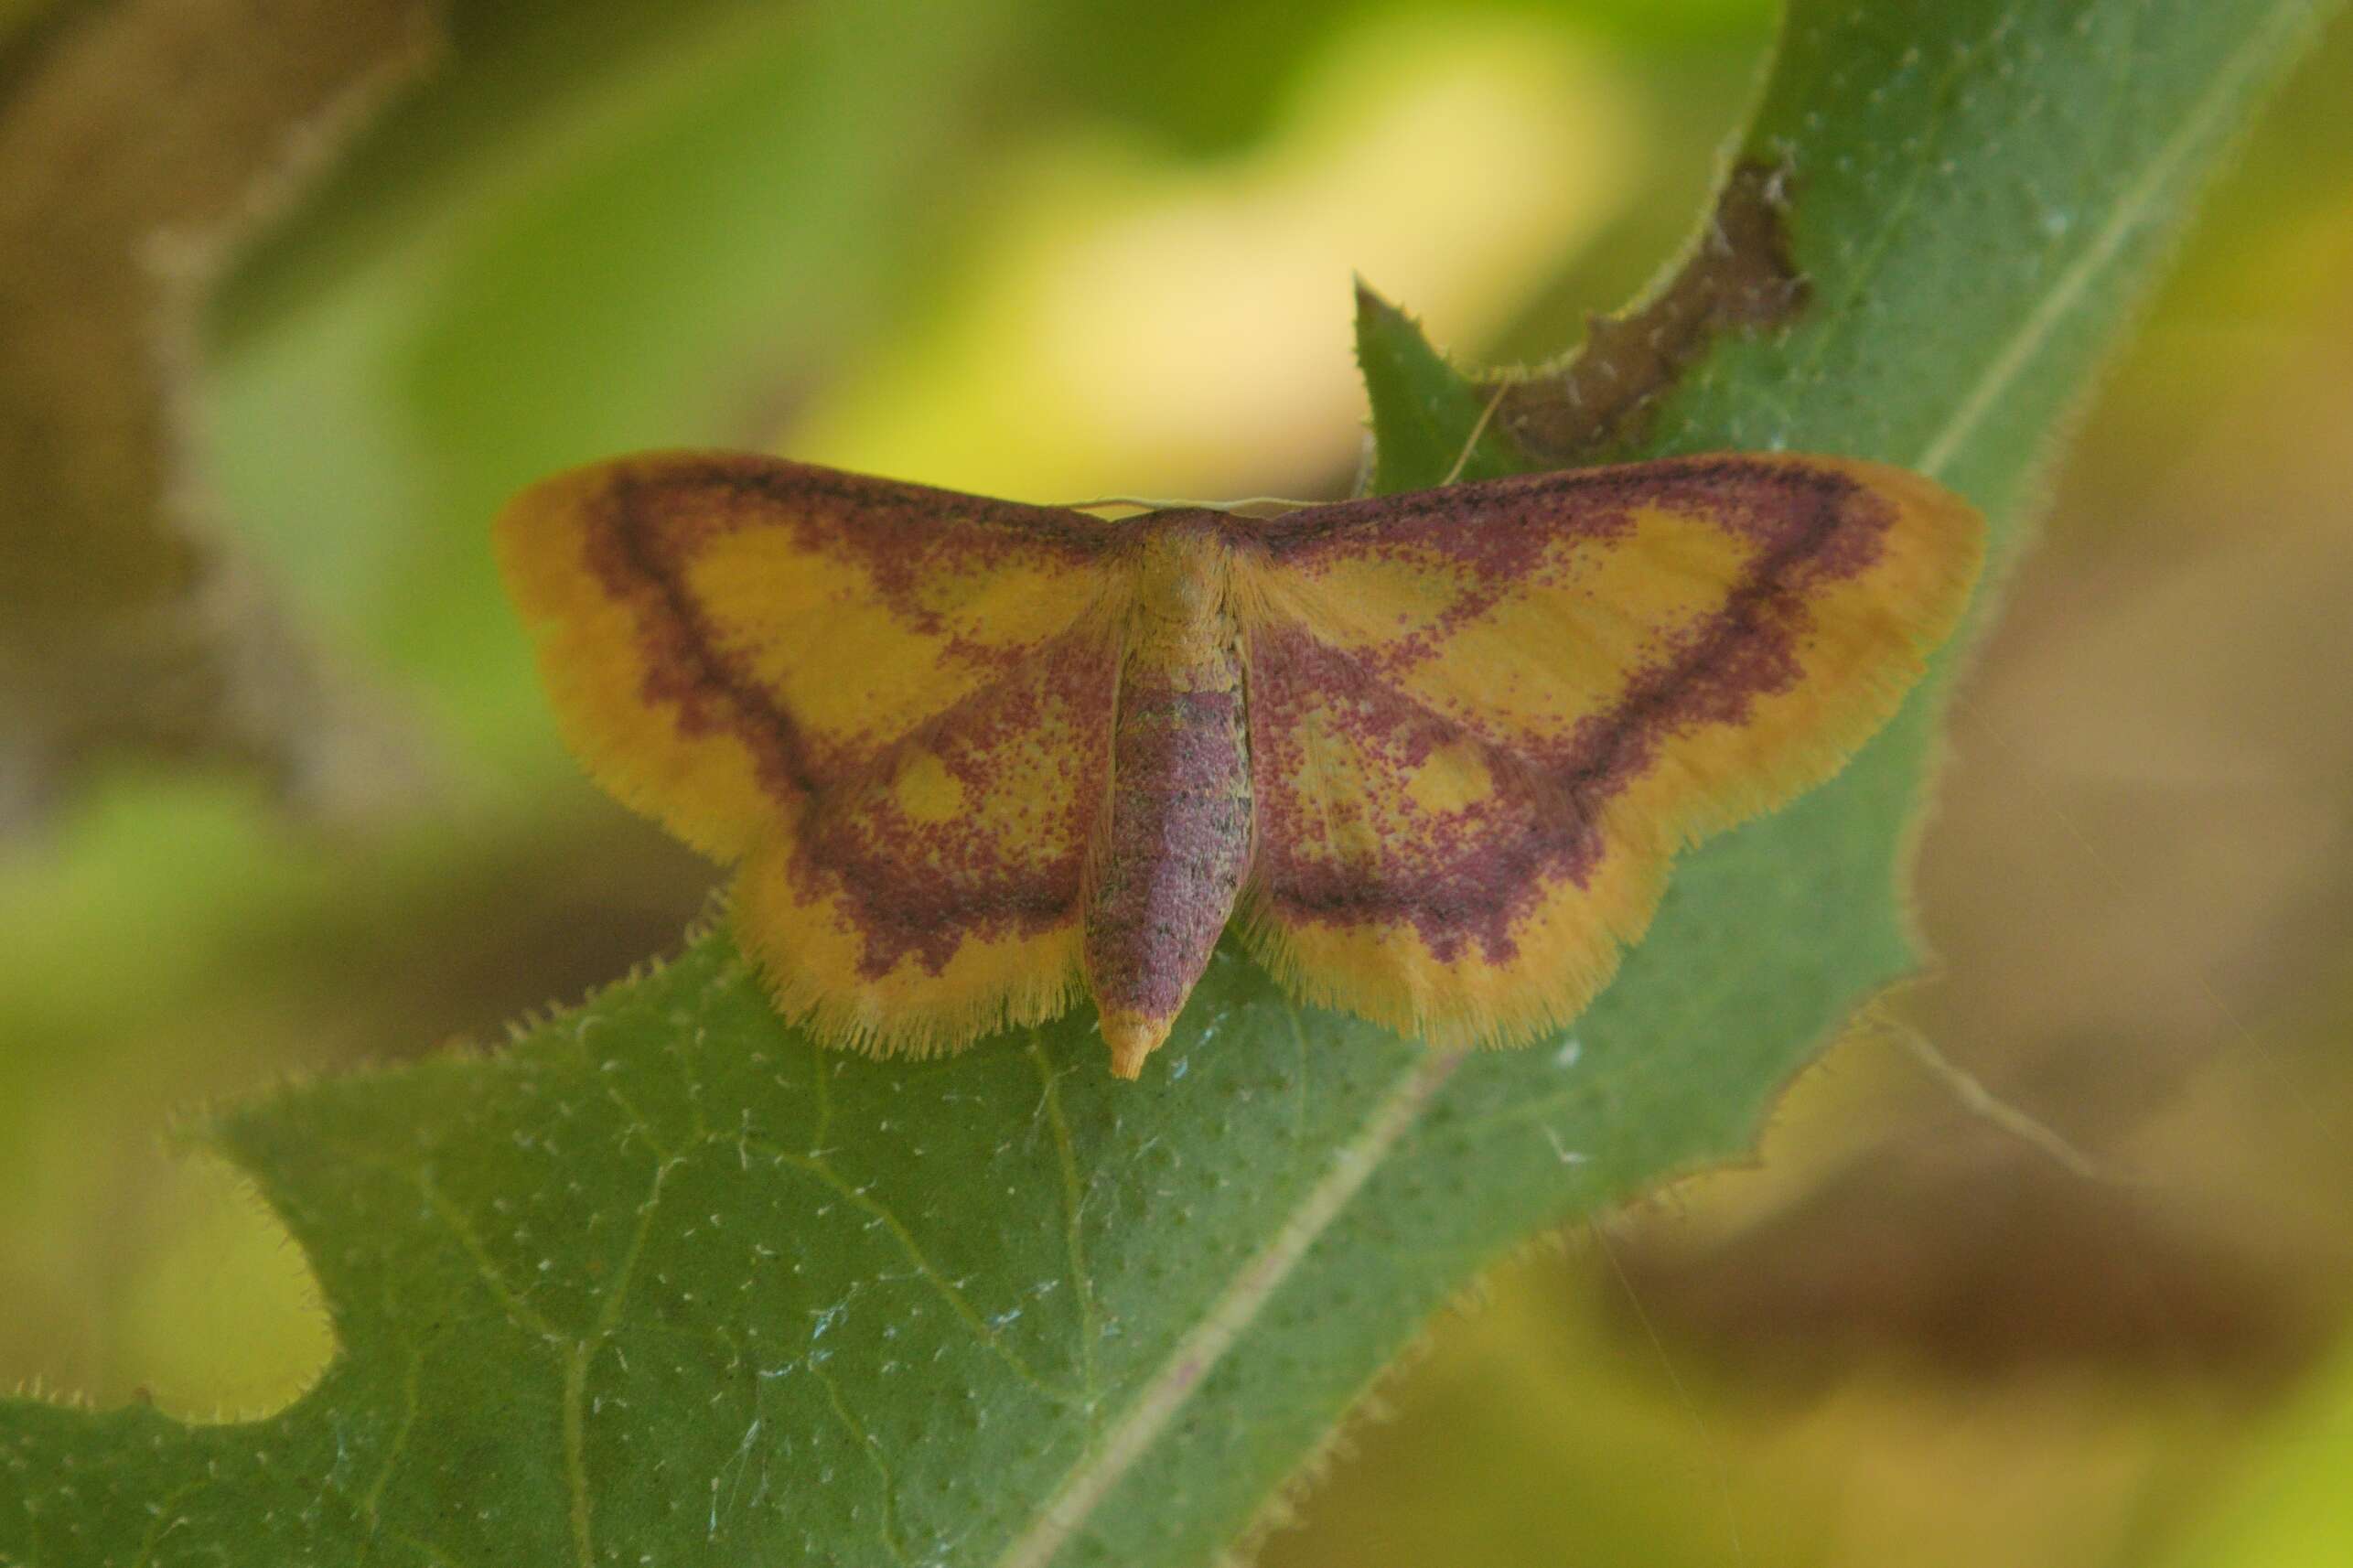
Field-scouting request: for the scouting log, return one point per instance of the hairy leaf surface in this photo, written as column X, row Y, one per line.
column 663, row 1283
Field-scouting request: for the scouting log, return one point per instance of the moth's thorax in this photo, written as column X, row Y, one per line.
column 1181, row 575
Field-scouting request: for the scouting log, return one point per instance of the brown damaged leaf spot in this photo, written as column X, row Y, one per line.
column 1739, row 278
column 140, row 145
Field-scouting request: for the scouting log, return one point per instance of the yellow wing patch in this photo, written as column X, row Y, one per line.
column 1403, row 863
column 935, row 895
column 892, row 704
column 1484, row 720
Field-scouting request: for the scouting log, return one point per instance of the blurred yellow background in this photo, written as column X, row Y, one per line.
column 1018, row 249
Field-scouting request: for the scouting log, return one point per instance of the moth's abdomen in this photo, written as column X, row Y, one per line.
column 1170, row 863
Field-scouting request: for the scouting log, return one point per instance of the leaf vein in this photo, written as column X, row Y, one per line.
column 518, row 1307
column 2136, row 205
column 1073, row 1230
column 873, row 1451
column 925, row 1269
column 1223, row 1323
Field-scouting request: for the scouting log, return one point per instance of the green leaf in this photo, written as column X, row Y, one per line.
column 1432, row 425
column 664, row 1283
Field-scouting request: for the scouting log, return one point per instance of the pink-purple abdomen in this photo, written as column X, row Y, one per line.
column 1170, row 865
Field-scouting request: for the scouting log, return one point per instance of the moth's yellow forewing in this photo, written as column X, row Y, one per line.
column 1600, row 667
column 892, row 705
column 1438, row 749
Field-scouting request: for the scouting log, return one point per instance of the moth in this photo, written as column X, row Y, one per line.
column 1433, row 751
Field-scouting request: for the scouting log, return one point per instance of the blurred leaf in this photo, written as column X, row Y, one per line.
column 1974, row 1265
column 1129, row 323
column 1682, row 20
column 777, row 152
column 16, row 19
column 139, row 141
column 666, row 1283
column 1532, row 1437
column 2290, row 1508
column 668, row 248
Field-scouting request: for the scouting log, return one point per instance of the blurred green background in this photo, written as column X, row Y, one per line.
column 1048, row 251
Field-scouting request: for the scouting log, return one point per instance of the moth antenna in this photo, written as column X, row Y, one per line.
column 1274, row 504
column 1142, row 503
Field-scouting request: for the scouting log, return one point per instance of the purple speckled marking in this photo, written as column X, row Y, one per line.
column 1471, row 875
column 914, row 889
